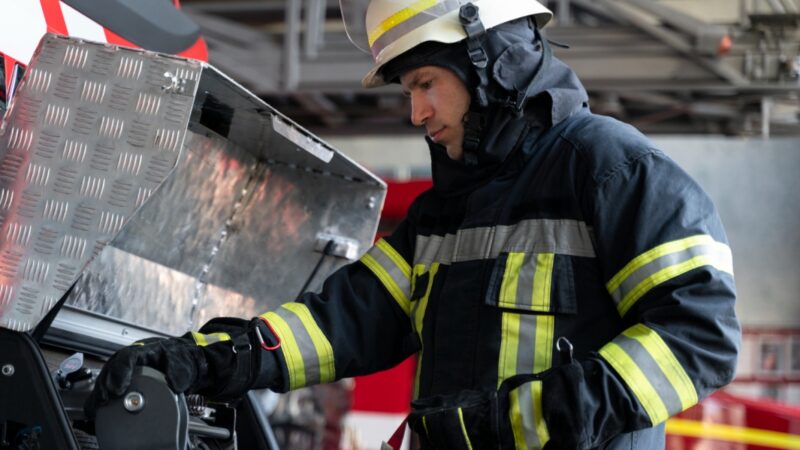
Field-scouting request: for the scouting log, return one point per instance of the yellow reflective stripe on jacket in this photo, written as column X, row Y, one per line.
column 525, row 413
column 545, row 329
column 508, row 287
column 651, row 371
column 418, row 314
column 464, row 429
column 526, row 343
column 321, row 345
column 399, row 17
column 509, row 345
column 308, row 353
column 664, row 263
column 542, row 281
column 526, row 347
column 206, row 339
column 527, row 281
column 515, row 417
column 290, row 349
column 392, row 270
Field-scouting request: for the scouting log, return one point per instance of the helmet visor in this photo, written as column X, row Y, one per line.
column 373, row 24
column 354, row 16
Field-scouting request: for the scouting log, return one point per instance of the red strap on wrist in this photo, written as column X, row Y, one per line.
column 274, row 334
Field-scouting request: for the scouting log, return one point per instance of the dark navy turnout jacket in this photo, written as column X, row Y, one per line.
column 582, row 230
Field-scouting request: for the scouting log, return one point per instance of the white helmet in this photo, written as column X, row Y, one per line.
column 389, row 28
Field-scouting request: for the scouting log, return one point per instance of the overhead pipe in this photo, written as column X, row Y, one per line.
column 709, row 39
column 291, row 46
column 564, row 15
column 614, row 11
column 315, row 19
column 777, row 6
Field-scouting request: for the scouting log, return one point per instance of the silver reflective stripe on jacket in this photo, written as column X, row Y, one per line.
column 652, row 372
column 392, row 270
column 665, row 262
column 566, row 237
column 306, row 350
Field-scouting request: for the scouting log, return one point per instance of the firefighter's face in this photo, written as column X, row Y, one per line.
column 439, row 102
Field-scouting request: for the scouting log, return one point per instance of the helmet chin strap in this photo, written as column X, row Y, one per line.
column 476, row 118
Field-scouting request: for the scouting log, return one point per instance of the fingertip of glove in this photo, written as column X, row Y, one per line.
column 117, row 386
column 95, row 400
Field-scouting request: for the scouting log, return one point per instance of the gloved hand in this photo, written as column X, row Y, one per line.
column 467, row 420
column 223, row 361
column 483, row 420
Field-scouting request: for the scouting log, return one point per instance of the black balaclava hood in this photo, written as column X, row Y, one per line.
column 515, row 52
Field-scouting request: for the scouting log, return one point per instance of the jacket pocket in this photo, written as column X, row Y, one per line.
column 533, row 291
column 538, row 283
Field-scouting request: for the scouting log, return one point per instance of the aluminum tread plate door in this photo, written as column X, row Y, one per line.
column 91, row 133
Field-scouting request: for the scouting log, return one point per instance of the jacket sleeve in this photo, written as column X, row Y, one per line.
column 357, row 324
column 667, row 266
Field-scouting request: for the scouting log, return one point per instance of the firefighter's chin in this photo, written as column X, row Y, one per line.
column 454, row 151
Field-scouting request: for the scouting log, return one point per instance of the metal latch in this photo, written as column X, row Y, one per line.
column 343, row 247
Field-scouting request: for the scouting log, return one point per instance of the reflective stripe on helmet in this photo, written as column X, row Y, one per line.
column 394, row 27
column 406, row 20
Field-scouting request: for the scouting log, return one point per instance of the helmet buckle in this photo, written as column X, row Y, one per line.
column 478, row 57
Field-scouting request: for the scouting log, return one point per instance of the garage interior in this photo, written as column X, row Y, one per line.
column 714, row 83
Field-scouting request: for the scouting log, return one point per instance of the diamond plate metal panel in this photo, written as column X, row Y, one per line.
column 82, row 141
column 177, row 194
column 239, row 238
column 270, row 251
column 151, row 274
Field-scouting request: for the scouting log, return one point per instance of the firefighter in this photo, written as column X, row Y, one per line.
column 564, row 284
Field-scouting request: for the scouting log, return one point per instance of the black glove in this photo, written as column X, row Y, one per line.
column 482, row 418
column 466, row 420
column 222, row 370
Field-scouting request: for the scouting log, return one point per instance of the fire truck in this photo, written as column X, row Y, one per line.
column 143, row 192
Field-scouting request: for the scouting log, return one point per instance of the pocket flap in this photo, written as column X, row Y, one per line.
column 532, row 282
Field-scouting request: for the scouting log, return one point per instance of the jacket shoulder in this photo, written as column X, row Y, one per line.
column 605, row 145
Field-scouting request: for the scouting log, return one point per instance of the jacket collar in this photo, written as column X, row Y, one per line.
column 559, row 95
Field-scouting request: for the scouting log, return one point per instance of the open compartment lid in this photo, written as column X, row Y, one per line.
column 166, row 193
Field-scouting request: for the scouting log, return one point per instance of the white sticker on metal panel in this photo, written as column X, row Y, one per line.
column 302, row 140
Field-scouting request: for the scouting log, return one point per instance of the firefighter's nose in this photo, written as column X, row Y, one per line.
column 421, row 110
